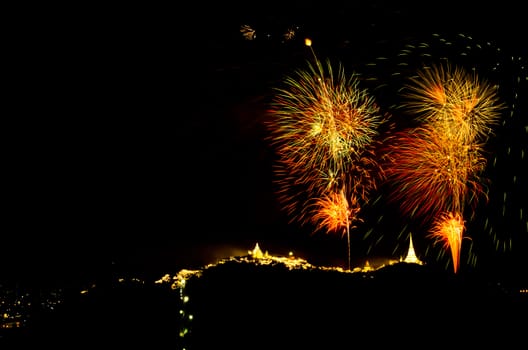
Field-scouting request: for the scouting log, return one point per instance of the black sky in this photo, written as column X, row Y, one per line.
column 137, row 132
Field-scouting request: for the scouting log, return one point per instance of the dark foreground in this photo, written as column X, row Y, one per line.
column 241, row 305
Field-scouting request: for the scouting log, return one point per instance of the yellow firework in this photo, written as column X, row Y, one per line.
column 324, row 128
column 462, row 105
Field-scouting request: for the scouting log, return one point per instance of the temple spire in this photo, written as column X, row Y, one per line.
column 411, row 255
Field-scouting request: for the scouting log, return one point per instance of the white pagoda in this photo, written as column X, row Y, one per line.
column 411, row 255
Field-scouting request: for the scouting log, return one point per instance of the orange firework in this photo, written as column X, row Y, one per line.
column 448, row 229
column 433, row 173
column 334, row 212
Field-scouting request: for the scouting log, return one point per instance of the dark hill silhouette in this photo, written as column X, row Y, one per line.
column 394, row 305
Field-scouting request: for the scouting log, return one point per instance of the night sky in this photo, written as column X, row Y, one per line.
column 138, row 140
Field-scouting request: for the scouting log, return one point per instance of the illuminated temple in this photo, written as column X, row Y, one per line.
column 411, row 255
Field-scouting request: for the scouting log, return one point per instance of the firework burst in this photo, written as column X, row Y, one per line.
column 437, row 167
column 324, row 128
column 334, row 212
column 469, row 127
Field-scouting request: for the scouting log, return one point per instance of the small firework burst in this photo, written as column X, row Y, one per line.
column 248, row 32
column 448, row 229
column 290, row 34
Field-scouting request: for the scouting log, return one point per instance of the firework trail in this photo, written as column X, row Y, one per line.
column 324, row 128
column 473, row 122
